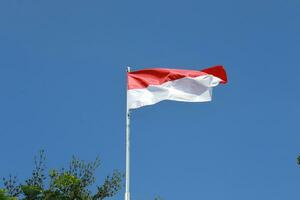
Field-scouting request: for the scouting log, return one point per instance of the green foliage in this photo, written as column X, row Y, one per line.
column 11, row 186
column 32, row 191
column 4, row 196
column 73, row 183
column 38, row 174
column 298, row 160
column 111, row 186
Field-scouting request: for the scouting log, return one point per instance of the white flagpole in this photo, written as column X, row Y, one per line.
column 127, row 190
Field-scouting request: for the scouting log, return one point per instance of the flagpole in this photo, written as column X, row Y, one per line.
column 127, row 189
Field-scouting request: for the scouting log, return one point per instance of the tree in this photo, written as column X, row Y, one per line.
column 298, row 160
column 71, row 183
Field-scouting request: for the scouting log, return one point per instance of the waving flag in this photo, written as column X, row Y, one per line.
column 150, row 86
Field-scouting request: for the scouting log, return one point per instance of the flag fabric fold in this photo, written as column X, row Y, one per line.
column 150, row 86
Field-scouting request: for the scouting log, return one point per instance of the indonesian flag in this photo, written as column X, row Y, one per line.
column 150, row 86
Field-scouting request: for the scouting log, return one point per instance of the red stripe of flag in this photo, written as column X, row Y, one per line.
column 157, row 76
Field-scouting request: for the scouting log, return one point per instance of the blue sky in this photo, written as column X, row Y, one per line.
column 62, row 89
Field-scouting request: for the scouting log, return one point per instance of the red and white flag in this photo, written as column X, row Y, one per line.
column 150, row 86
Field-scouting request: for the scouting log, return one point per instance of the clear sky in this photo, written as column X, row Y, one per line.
column 62, row 89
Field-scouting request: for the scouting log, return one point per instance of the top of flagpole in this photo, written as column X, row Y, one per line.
column 128, row 69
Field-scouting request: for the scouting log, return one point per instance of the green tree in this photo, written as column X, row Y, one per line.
column 4, row 196
column 71, row 183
